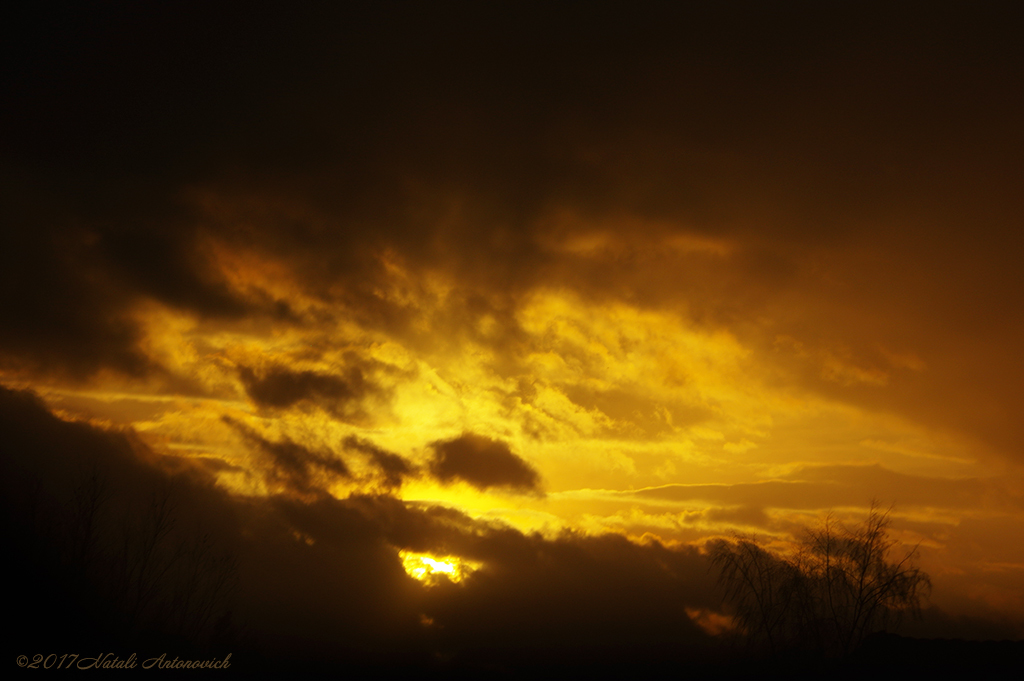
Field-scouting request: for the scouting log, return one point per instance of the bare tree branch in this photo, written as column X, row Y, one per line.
column 840, row 588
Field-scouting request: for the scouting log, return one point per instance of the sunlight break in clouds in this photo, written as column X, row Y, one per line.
column 426, row 568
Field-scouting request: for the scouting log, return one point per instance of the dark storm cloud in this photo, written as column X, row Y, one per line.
column 547, row 592
column 483, row 463
column 367, row 112
column 281, row 387
column 59, row 311
column 571, row 599
column 75, row 271
column 319, row 579
column 450, row 137
column 393, row 467
column 165, row 262
column 296, row 467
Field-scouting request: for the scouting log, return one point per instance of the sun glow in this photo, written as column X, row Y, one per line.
column 429, row 569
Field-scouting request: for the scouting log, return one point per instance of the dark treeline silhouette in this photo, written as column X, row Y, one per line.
column 841, row 586
column 106, row 545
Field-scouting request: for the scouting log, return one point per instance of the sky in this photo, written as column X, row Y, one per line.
column 541, row 298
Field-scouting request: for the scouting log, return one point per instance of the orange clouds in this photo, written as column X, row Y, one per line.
column 548, row 295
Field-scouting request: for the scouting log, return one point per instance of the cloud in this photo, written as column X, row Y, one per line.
column 294, row 466
column 318, row 580
column 280, row 387
column 195, row 208
column 320, row 577
column 483, row 463
column 168, row 263
column 527, row 177
column 584, row 592
column 820, row 488
column 63, row 315
column 83, row 267
column 394, row 468
column 571, row 598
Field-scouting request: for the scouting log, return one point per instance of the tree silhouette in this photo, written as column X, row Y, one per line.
column 840, row 587
column 168, row 576
column 125, row 553
column 760, row 586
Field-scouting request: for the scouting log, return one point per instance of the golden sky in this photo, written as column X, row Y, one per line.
column 669, row 276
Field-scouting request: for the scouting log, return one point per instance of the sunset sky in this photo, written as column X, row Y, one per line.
column 559, row 274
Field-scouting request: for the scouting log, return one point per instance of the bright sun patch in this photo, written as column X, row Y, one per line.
column 429, row 569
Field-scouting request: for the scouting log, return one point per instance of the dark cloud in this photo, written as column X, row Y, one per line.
column 61, row 313
column 573, row 599
column 438, row 137
column 300, row 582
column 319, row 579
column 166, row 261
column 483, row 463
column 393, row 467
column 280, row 387
column 294, row 466
column 582, row 590
column 77, row 273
